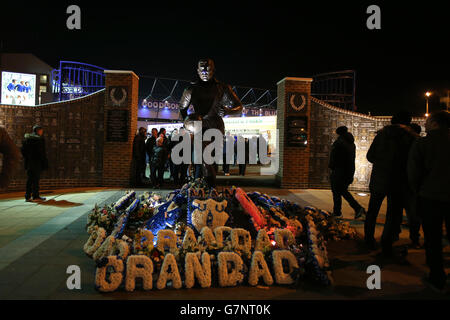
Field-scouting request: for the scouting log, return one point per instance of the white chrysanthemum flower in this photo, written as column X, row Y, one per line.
column 280, row 276
column 105, row 249
column 123, row 249
column 218, row 233
column 207, row 235
column 115, row 278
column 166, row 238
column 284, row 238
column 189, row 240
column 226, row 278
column 241, row 240
column 174, row 275
column 195, row 269
column 94, row 241
column 139, row 266
column 258, row 269
column 262, row 240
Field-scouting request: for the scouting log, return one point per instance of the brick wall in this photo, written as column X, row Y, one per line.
column 324, row 121
column 73, row 131
column 117, row 156
column 307, row 167
column 75, row 135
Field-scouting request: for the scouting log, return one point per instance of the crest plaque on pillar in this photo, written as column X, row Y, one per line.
column 297, row 119
column 297, row 102
column 117, row 96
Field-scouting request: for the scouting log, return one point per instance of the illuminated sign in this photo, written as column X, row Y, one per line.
column 159, row 104
column 18, row 88
column 148, row 106
column 168, row 126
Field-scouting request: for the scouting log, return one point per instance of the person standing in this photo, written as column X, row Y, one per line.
column 162, row 133
column 165, row 144
column 182, row 167
column 243, row 166
column 174, row 169
column 150, row 144
column 35, row 161
column 414, row 221
column 429, row 176
column 227, row 140
column 11, row 157
column 389, row 154
column 342, row 165
column 158, row 161
column 139, row 152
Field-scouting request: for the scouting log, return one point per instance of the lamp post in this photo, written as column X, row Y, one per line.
column 427, row 94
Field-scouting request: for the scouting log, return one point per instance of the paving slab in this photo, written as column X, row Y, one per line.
column 32, row 231
column 40, row 273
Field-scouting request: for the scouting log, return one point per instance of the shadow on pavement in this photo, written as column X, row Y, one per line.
column 61, row 203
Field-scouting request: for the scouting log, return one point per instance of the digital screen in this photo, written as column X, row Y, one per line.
column 18, row 88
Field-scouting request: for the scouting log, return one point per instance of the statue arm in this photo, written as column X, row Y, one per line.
column 185, row 102
column 232, row 104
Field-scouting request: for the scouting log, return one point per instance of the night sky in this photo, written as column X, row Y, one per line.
column 254, row 44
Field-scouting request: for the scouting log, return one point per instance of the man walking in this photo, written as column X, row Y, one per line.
column 429, row 177
column 389, row 154
column 35, row 160
column 342, row 165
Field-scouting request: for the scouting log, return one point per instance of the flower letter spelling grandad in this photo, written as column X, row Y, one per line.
column 228, row 239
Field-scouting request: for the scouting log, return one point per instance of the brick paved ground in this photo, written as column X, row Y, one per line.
column 39, row 241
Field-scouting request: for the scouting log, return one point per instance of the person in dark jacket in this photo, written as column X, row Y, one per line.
column 150, row 144
column 35, row 161
column 11, row 157
column 416, row 128
column 429, row 176
column 174, row 169
column 414, row 221
column 183, row 167
column 226, row 166
column 158, row 161
column 139, row 152
column 389, row 154
column 162, row 133
column 243, row 166
column 342, row 165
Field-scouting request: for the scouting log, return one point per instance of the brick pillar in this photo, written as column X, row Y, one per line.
column 121, row 105
column 293, row 121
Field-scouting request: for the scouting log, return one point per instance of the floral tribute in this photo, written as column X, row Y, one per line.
column 199, row 237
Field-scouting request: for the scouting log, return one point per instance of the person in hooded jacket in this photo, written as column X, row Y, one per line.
column 389, row 154
column 342, row 165
column 429, row 177
column 35, row 161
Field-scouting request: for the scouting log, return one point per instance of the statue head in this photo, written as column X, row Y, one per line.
column 206, row 69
